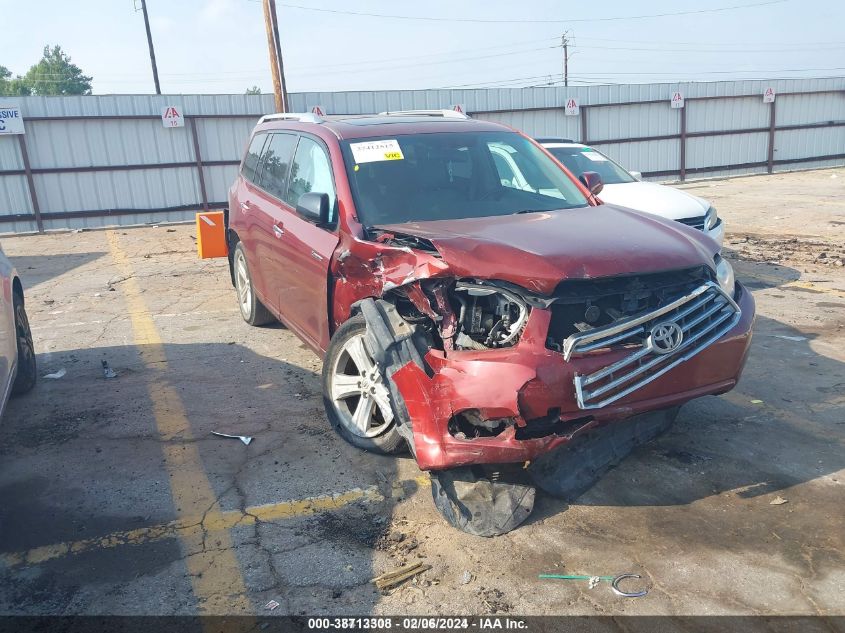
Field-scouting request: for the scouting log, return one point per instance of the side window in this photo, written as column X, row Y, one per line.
column 274, row 164
column 253, row 154
column 311, row 171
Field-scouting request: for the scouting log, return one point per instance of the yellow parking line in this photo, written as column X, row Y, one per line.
column 213, row 569
column 213, row 522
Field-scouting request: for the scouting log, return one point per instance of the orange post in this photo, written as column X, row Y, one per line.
column 211, row 235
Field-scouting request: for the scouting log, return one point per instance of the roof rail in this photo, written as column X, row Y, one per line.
column 553, row 140
column 446, row 114
column 304, row 117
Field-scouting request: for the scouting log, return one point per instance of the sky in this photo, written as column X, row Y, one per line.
column 220, row 46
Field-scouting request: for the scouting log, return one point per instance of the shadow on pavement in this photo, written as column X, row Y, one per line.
column 82, row 459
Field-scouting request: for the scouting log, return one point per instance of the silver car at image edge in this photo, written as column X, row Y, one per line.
column 626, row 189
column 17, row 353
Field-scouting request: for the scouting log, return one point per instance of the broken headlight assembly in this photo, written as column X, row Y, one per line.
column 725, row 275
column 488, row 316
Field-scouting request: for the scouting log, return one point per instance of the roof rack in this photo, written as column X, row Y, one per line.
column 446, row 114
column 553, row 140
column 304, row 117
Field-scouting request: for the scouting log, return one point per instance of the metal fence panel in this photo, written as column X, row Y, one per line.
column 644, row 156
column 152, row 173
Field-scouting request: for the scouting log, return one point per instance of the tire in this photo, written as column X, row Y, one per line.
column 27, row 372
column 252, row 310
column 483, row 500
column 358, row 406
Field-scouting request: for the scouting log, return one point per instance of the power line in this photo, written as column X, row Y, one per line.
column 425, row 18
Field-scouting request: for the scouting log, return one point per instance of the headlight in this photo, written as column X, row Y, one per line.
column 725, row 276
column 711, row 218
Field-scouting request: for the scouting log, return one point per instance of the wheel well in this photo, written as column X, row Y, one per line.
column 17, row 288
column 233, row 239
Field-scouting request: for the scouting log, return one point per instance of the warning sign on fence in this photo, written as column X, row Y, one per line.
column 171, row 116
column 571, row 107
column 769, row 95
column 677, row 100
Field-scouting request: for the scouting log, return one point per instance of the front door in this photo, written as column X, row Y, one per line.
column 308, row 248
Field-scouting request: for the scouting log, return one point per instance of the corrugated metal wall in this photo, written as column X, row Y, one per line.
column 146, row 168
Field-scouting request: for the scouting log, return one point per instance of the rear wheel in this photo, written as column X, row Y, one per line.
column 27, row 373
column 357, row 400
column 252, row 310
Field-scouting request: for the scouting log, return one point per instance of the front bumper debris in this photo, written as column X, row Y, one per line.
column 532, row 389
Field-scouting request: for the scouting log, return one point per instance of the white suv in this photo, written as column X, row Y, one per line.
column 625, row 188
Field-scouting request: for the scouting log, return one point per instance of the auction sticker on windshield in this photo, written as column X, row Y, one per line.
column 374, row 151
column 593, row 155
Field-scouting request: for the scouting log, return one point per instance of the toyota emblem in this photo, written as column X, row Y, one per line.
column 666, row 337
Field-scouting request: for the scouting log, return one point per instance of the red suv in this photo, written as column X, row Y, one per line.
column 473, row 319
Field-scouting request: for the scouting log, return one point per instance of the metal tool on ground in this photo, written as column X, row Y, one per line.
column 246, row 439
column 594, row 580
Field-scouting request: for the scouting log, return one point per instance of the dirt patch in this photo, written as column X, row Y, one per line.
column 788, row 250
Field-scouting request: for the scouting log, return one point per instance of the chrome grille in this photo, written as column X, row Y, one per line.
column 703, row 316
column 696, row 222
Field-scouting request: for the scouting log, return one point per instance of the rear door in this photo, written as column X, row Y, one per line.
column 269, row 216
column 308, row 247
column 243, row 216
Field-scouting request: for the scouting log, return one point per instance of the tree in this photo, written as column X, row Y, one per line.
column 56, row 75
column 12, row 87
column 255, row 90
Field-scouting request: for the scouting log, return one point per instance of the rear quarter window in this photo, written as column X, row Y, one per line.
column 253, row 155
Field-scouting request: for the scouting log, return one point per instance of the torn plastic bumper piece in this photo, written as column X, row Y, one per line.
column 530, row 383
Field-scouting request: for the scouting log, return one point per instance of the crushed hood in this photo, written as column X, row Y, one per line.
column 538, row 250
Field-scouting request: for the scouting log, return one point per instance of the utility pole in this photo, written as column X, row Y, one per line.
column 277, row 68
column 150, row 43
column 565, row 43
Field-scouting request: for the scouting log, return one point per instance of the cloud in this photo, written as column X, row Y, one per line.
column 216, row 10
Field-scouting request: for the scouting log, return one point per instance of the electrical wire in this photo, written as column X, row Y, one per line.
column 426, row 18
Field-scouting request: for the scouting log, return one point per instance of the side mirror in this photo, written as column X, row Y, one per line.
column 592, row 181
column 637, row 175
column 314, row 207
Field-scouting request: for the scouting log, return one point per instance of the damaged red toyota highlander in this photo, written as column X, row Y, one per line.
column 476, row 321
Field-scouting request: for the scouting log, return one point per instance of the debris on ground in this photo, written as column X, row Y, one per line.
column 756, row 401
column 778, row 501
column 593, row 582
column 755, row 248
column 399, row 575
column 271, row 605
column 108, row 372
column 246, row 439
column 493, row 600
column 466, row 578
column 483, row 500
column 797, row 339
column 57, row 374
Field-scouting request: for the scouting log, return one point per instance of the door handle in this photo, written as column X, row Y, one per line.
column 278, row 231
column 245, row 206
column 316, row 256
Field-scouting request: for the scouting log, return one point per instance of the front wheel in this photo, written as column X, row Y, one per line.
column 355, row 393
column 27, row 373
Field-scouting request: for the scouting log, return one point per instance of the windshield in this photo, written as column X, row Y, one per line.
column 444, row 176
column 581, row 159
